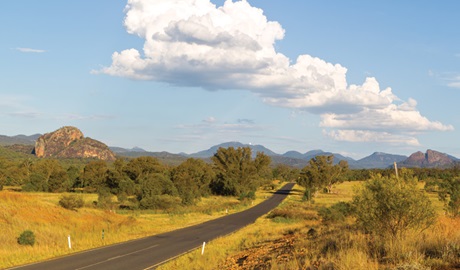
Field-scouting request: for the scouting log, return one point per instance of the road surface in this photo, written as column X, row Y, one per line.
column 150, row 252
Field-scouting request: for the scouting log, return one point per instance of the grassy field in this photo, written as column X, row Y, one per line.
column 89, row 227
column 294, row 237
column 290, row 237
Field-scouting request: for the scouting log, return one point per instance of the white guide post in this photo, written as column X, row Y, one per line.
column 70, row 244
column 202, row 249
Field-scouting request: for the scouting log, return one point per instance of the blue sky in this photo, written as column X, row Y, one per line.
column 351, row 77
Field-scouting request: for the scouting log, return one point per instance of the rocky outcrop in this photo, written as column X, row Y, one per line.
column 69, row 142
column 430, row 159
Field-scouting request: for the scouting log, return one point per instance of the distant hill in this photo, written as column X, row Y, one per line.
column 21, row 148
column 165, row 157
column 430, row 159
column 211, row 151
column 19, row 139
column 11, row 154
column 314, row 153
column 380, row 160
column 120, row 150
column 294, row 154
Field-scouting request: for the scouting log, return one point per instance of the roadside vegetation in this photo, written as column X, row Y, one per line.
column 89, row 226
column 384, row 222
column 335, row 218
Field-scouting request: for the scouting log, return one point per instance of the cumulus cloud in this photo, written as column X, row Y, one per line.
column 454, row 81
column 196, row 43
column 372, row 136
column 29, row 50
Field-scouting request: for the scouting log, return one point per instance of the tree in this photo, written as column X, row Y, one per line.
column 118, row 181
column 450, row 194
column 58, row 180
column 285, row 173
column 152, row 186
column 141, row 166
column 94, row 175
column 73, row 172
column 47, row 175
column 392, row 206
column 321, row 173
column 262, row 163
column 191, row 179
column 3, row 172
column 236, row 173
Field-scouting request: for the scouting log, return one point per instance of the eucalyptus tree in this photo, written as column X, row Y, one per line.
column 322, row 173
column 192, row 180
column 236, row 173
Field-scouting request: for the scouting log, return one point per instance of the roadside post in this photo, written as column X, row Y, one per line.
column 202, row 249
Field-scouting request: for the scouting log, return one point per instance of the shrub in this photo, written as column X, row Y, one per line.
column 251, row 195
column 335, row 213
column 290, row 215
column 164, row 202
column 71, row 202
column 391, row 206
column 27, row 237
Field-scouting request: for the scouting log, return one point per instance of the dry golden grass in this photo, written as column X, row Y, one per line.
column 52, row 224
column 263, row 230
column 437, row 247
column 340, row 246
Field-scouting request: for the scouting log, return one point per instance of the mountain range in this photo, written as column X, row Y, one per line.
column 292, row 158
column 377, row 160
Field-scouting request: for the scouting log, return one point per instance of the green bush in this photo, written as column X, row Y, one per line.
column 392, row 206
column 164, row 202
column 250, row 195
column 71, row 202
column 335, row 213
column 26, row 238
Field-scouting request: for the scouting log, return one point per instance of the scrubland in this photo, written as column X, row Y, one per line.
column 90, row 227
column 294, row 236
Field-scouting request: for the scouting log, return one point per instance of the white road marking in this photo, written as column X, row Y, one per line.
column 116, row 257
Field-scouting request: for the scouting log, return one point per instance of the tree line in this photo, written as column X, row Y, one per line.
column 145, row 182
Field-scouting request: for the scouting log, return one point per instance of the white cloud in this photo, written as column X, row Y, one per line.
column 195, row 43
column 29, row 50
column 210, row 120
column 372, row 136
column 450, row 79
column 404, row 117
column 455, row 84
column 212, row 125
column 454, row 81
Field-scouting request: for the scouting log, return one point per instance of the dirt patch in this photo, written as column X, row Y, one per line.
column 263, row 255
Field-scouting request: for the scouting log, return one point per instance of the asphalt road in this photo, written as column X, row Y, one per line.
column 150, row 252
